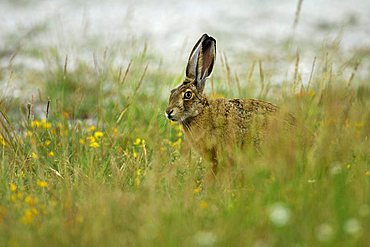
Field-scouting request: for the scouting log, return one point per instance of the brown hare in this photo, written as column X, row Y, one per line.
column 214, row 125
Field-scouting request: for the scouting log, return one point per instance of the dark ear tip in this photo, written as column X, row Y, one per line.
column 208, row 38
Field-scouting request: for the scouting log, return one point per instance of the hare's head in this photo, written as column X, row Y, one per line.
column 187, row 100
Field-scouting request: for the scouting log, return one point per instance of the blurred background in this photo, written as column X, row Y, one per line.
column 245, row 30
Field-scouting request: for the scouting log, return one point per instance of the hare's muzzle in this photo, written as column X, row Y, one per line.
column 169, row 115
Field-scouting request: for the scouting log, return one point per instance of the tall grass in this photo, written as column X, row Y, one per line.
column 107, row 169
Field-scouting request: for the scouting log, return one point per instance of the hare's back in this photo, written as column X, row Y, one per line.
column 247, row 107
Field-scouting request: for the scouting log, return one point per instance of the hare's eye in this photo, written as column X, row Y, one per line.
column 188, row 95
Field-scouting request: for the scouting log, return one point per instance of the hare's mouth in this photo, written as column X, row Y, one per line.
column 172, row 118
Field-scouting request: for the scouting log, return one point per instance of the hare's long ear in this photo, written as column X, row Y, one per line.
column 201, row 61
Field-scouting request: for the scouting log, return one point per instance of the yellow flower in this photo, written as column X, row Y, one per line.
column 82, row 141
column 176, row 144
column 91, row 139
column 203, row 205
column 197, row 190
column 59, row 125
column 51, row 154
column 179, row 134
column 13, row 187
column 137, row 141
column 134, row 154
column 94, row 145
column 138, row 172
column 367, row 173
column 29, row 215
column 45, row 124
column 30, row 200
column 92, row 128
column 28, row 133
column 47, row 142
column 98, row 134
column 35, row 124
column 42, row 184
column 34, row 156
column 2, row 141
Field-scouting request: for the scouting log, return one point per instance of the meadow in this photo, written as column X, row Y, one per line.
column 90, row 160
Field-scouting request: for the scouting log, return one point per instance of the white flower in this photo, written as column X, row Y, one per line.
column 335, row 170
column 353, row 227
column 279, row 214
column 324, row 232
column 205, row 238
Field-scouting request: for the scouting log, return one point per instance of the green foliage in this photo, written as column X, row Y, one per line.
column 106, row 167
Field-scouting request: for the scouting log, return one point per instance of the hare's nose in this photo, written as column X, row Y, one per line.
column 169, row 112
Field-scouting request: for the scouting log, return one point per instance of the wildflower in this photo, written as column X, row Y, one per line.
column 51, row 154
column 91, row 139
column 29, row 215
column 2, row 140
column 367, row 173
column 45, row 124
column 30, row 200
column 353, row 227
column 82, row 141
column 134, row 154
column 335, row 170
column 28, row 133
column 138, row 172
column 137, row 141
column 311, row 93
column 13, row 187
column 324, row 232
column 279, row 214
column 34, row 156
column 92, row 128
column 47, row 143
column 98, row 134
column 42, row 184
column 197, row 190
column 349, row 166
column 179, row 134
column 205, row 238
column 203, row 205
column 94, row 145
column 59, row 125
column 115, row 130
column 176, row 144
column 35, row 124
